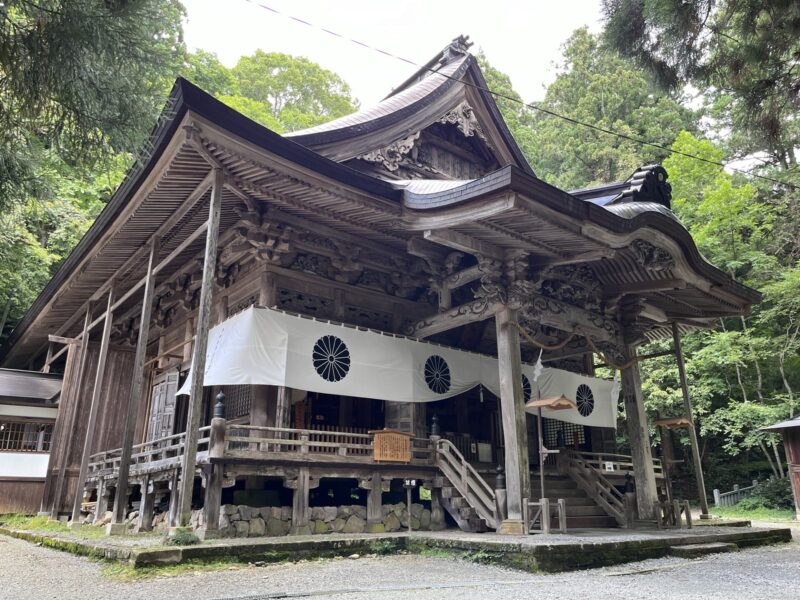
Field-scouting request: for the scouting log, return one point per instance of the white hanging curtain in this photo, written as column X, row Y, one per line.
column 261, row 346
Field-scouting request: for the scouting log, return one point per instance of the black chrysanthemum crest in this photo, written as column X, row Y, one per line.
column 527, row 390
column 584, row 398
column 331, row 358
column 437, row 374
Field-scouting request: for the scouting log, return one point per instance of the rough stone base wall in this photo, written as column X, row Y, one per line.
column 246, row 521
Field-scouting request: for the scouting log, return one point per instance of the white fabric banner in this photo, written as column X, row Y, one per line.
column 262, row 346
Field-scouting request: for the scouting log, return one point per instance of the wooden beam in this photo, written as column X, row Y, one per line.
column 638, row 287
column 583, row 257
column 140, row 253
column 94, row 407
column 57, row 339
column 557, row 314
column 463, row 243
column 117, row 525
column 199, row 351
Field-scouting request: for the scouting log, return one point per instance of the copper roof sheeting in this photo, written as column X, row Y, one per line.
column 29, row 385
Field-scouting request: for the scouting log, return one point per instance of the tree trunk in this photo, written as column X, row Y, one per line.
column 769, row 459
column 778, row 460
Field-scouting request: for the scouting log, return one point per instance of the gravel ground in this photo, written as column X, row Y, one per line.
column 29, row 571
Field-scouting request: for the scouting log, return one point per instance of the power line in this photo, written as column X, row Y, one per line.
column 531, row 106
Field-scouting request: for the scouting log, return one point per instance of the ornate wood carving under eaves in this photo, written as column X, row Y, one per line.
column 574, row 284
column 392, row 155
column 463, row 117
column 652, row 257
column 306, row 304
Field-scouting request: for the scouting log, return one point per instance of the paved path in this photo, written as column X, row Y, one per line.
column 28, row 571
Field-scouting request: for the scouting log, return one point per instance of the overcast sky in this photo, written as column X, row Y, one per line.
column 522, row 38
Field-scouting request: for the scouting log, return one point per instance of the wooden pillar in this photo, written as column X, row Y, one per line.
column 94, row 407
column 300, row 508
column 199, row 351
column 147, row 506
column 73, row 400
column 174, row 497
column 101, row 506
column 48, row 358
column 687, row 407
column 266, row 290
column 283, row 407
column 117, row 525
column 515, row 433
column 639, row 436
column 374, row 504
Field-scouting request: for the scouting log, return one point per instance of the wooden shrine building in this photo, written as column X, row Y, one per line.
column 354, row 305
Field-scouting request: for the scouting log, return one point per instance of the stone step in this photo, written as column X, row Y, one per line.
column 450, row 492
column 584, row 511
column 459, row 502
column 559, row 493
column 588, row 522
column 697, row 550
column 554, row 483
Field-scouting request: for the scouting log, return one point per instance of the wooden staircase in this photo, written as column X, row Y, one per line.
column 582, row 511
column 465, row 494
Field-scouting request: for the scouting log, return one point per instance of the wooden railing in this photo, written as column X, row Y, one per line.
column 732, row 497
column 149, row 456
column 478, row 494
column 620, row 464
column 591, row 480
column 250, row 441
column 465, row 444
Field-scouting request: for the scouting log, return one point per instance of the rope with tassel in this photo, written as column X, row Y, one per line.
column 574, row 333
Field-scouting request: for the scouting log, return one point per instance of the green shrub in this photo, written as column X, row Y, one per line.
column 183, row 538
column 772, row 493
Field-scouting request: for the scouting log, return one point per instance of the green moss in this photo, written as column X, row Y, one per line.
column 128, row 572
column 756, row 514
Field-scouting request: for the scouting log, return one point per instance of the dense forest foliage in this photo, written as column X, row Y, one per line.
column 82, row 82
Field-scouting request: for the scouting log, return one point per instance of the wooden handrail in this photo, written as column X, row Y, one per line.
column 467, row 481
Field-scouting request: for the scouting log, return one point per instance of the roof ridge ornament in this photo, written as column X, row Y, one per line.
column 648, row 184
column 456, row 49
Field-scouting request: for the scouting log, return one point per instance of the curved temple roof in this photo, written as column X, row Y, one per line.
column 393, row 211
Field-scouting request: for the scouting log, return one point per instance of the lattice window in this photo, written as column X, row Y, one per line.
column 571, row 432
column 25, row 436
column 238, row 399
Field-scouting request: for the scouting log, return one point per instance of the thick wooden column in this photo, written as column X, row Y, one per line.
column 199, row 351
column 512, row 407
column 94, row 407
column 117, row 525
column 300, row 508
column 639, row 436
column 72, row 400
column 687, row 408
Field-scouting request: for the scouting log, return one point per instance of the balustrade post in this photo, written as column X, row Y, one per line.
column 212, row 502
column 500, row 496
column 545, row 504
column 102, row 500
column 147, row 506
column 304, row 439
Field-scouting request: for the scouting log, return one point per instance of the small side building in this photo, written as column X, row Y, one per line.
column 28, row 411
column 791, row 440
